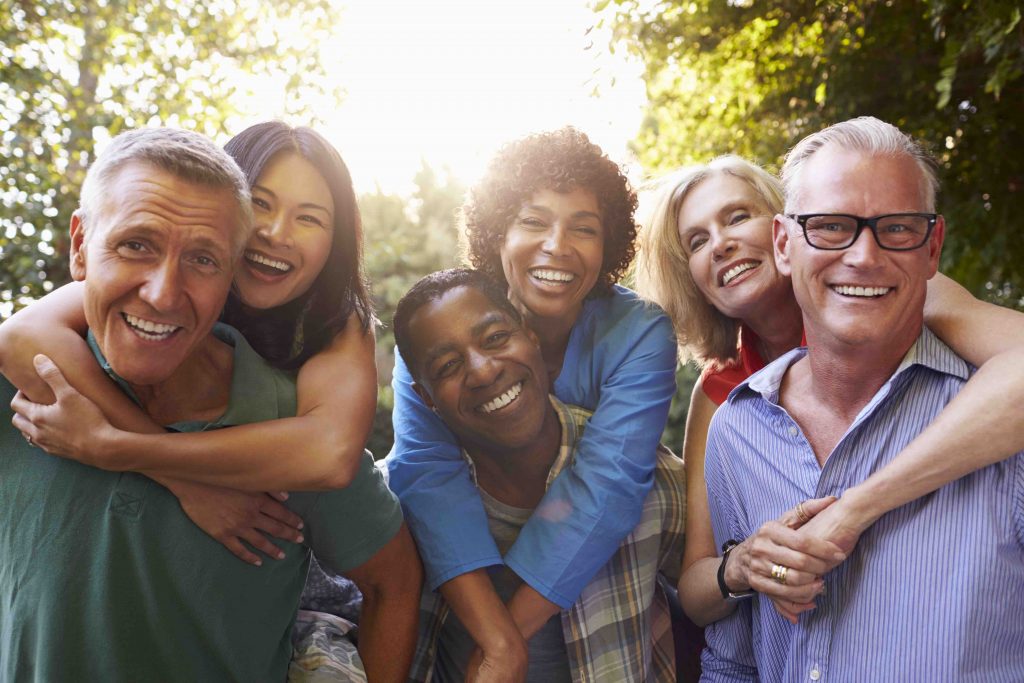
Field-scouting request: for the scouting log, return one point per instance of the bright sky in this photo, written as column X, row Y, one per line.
column 450, row 81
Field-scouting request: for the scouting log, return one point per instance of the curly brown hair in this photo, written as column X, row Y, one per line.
column 562, row 160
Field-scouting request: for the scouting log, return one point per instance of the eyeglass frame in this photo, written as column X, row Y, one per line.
column 872, row 223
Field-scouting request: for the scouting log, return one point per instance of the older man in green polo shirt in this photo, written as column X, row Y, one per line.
column 102, row 577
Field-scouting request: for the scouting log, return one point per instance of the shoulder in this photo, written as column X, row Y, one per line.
column 259, row 391
column 623, row 318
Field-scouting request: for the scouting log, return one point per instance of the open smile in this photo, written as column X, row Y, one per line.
column 148, row 329
column 552, row 276
column 860, row 291
column 502, row 401
column 266, row 265
column 730, row 273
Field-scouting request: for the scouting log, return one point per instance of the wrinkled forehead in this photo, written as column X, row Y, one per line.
column 837, row 179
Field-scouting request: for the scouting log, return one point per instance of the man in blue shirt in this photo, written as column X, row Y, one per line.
column 933, row 590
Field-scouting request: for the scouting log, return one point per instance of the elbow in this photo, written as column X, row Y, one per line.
column 340, row 464
column 399, row 574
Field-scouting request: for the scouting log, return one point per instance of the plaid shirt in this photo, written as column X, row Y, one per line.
column 619, row 630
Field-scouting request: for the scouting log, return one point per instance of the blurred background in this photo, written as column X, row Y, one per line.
column 416, row 96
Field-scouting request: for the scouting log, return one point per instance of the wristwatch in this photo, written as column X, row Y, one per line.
column 727, row 594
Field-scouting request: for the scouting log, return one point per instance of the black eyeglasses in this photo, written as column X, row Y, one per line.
column 893, row 231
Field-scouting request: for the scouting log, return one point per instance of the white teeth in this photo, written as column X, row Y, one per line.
column 149, row 329
column 850, row 290
column 257, row 257
column 503, row 400
column 736, row 270
column 552, row 275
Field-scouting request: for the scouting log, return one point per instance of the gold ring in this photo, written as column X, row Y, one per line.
column 801, row 513
column 779, row 573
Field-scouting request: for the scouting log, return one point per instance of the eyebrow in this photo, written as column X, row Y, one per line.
column 491, row 318
column 303, row 205
column 547, row 211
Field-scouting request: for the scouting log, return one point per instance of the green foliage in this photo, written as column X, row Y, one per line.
column 405, row 240
column 754, row 77
column 72, row 75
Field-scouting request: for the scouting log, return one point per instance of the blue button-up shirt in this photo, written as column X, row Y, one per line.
column 934, row 590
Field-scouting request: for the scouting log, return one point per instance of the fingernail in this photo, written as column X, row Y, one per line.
column 301, row 525
column 284, row 495
column 258, row 563
column 280, row 555
column 300, row 538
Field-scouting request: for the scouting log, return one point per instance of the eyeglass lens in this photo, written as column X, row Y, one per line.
column 893, row 232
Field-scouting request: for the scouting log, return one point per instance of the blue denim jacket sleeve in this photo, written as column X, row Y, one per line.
column 428, row 474
column 621, row 364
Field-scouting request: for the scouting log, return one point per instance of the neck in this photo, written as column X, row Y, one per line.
column 518, row 476
column 553, row 335
column 779, row 326
column 198, row 389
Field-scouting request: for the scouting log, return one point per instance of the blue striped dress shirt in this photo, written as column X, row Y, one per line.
column 934, row 591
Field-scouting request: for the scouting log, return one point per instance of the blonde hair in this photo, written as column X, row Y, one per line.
column 662, row 272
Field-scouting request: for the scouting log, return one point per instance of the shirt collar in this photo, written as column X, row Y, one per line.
column 255, row 395
column 927, row 351
column 566, row 448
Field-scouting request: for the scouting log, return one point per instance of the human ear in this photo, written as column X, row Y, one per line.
column 935, row 241
column 780, row 241
column 77, row 265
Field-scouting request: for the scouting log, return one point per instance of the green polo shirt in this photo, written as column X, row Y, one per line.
column 104, row 578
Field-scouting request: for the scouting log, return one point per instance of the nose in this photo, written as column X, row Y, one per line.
column 276, row 231
column 721, row 244
column 864, row 252
column 556, row 241
column 162, row 289
column 481, row 370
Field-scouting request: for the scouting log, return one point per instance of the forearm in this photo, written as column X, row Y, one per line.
column 488, row 621
column 530, row 610
column 390, row 583
column 297, row 453
column 982, row 425
column 699, row 593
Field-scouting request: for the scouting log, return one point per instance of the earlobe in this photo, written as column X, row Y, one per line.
column 780, row 242
column 77, row 263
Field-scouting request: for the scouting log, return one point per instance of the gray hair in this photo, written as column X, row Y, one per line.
column 662, row 273
column 189, row 156
column 863, row 134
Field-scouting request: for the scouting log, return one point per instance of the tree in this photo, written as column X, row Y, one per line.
column 71, row 76
column 405, row 240
column 755, row 77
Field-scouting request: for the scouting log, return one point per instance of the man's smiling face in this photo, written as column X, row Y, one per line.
column 157, row 264
column 481, row 370
column 862, row 294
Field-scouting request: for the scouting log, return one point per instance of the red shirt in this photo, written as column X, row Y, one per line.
column 718, row 382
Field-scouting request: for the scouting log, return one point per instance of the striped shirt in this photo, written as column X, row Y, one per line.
column 619, row 630
column 934, row 590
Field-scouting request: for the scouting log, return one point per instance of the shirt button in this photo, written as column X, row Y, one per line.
column 815, row 674
column 792, row 432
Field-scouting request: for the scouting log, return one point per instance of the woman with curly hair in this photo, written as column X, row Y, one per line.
column 707, row 257
column 552, row 220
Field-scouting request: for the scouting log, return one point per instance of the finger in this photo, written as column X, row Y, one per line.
column 27, row 429
column 261, row 543
column 278, row 530
column 773, row 535
column 20, row 404
column 815, row 505
column 798, row 594
column 51, row 374
column 272, row 508
column 280, row 496
column 241, row 552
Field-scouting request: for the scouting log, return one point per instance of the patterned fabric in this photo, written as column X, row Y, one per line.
column 323, row 651
column 619, row 630
column 933, row 590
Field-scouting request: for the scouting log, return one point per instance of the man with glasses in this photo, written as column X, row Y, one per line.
column 933, row 590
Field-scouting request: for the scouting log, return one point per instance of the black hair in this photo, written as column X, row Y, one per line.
column 289, row 334
column 433, row 287
column 562, row 160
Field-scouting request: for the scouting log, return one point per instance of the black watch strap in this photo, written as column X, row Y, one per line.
column 727, row 594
